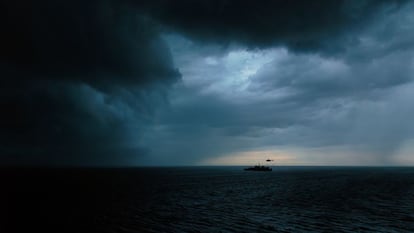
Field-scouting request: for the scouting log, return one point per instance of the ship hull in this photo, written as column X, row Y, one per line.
column 262, row 169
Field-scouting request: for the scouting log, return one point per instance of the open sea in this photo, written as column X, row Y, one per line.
column 207, row 199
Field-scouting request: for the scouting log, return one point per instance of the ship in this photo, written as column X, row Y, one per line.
column 259, row 168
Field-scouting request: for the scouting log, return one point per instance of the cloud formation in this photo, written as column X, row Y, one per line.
column 320, row 25
column 97, row 42
column 238, row 99
column 78, row 81
column 179, row 82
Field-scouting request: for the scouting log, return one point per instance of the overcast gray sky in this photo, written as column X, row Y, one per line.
column 208, row 83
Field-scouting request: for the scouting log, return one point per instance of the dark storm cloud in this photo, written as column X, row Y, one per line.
column 313, row 78
column 299, row 25
column 214, row 112
column 87, row 82
column 78, row 81
column 98, row 42
column 242, row 99
column 66, row 123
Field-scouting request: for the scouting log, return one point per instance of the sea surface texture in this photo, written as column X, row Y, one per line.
column 207, row 199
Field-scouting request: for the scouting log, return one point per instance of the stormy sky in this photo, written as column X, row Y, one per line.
column 219, row 82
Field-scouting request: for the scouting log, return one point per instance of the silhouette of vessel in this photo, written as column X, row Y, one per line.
column 259, row 168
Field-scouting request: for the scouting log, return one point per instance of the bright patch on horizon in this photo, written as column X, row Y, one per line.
column 252, row 158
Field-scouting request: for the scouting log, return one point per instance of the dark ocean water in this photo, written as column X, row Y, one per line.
column 207, row 199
